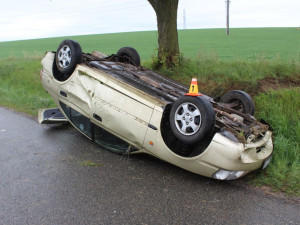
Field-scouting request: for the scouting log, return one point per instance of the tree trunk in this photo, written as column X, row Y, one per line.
column 166, row 13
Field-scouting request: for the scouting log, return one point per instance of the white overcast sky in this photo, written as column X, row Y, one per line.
column 30, row 19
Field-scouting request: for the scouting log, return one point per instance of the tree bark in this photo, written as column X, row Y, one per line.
column 168, row 47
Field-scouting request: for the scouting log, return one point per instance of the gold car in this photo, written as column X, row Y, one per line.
column 129, row 109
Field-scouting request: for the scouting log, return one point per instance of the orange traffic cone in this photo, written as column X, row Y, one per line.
column 194, row 88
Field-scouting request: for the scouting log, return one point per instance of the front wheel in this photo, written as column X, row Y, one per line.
column 192, row 118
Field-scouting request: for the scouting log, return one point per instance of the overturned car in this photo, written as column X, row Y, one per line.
column 129, row 109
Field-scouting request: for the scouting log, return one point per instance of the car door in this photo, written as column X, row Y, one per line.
column 78, row 91
column 122, row 110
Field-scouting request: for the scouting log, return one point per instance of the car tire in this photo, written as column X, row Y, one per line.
column 67, row 56
column 245, row 102
column 129, row 55
column 192, row 119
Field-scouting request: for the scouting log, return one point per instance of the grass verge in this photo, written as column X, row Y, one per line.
column 281, row 109
column 20, row 86
column 215, row 76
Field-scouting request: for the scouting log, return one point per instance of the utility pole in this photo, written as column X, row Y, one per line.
column 184, row 20
column 227, row 16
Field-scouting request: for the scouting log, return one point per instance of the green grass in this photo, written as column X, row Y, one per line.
column 243, row 43
column 281, row 109
column 20, row 86
column 258, row 61
column 144, row 42
column 215, row 76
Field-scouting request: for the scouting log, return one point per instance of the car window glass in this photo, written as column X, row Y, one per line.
column 109, row 141
column 66, row 109
column 79, row 120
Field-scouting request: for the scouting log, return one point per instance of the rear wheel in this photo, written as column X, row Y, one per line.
column 192, row 118
column 240, row 100
column 67, row 56
column 129, row 55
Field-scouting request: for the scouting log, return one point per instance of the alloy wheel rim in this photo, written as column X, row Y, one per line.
column 64, row 56
column 187, row 118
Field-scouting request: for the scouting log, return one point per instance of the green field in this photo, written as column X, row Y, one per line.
column 255, row 43
column 265, row 62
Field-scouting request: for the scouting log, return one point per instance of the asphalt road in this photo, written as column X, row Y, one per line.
column 47, row 177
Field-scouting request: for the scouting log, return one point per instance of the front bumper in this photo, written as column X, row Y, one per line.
column 233, row 157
